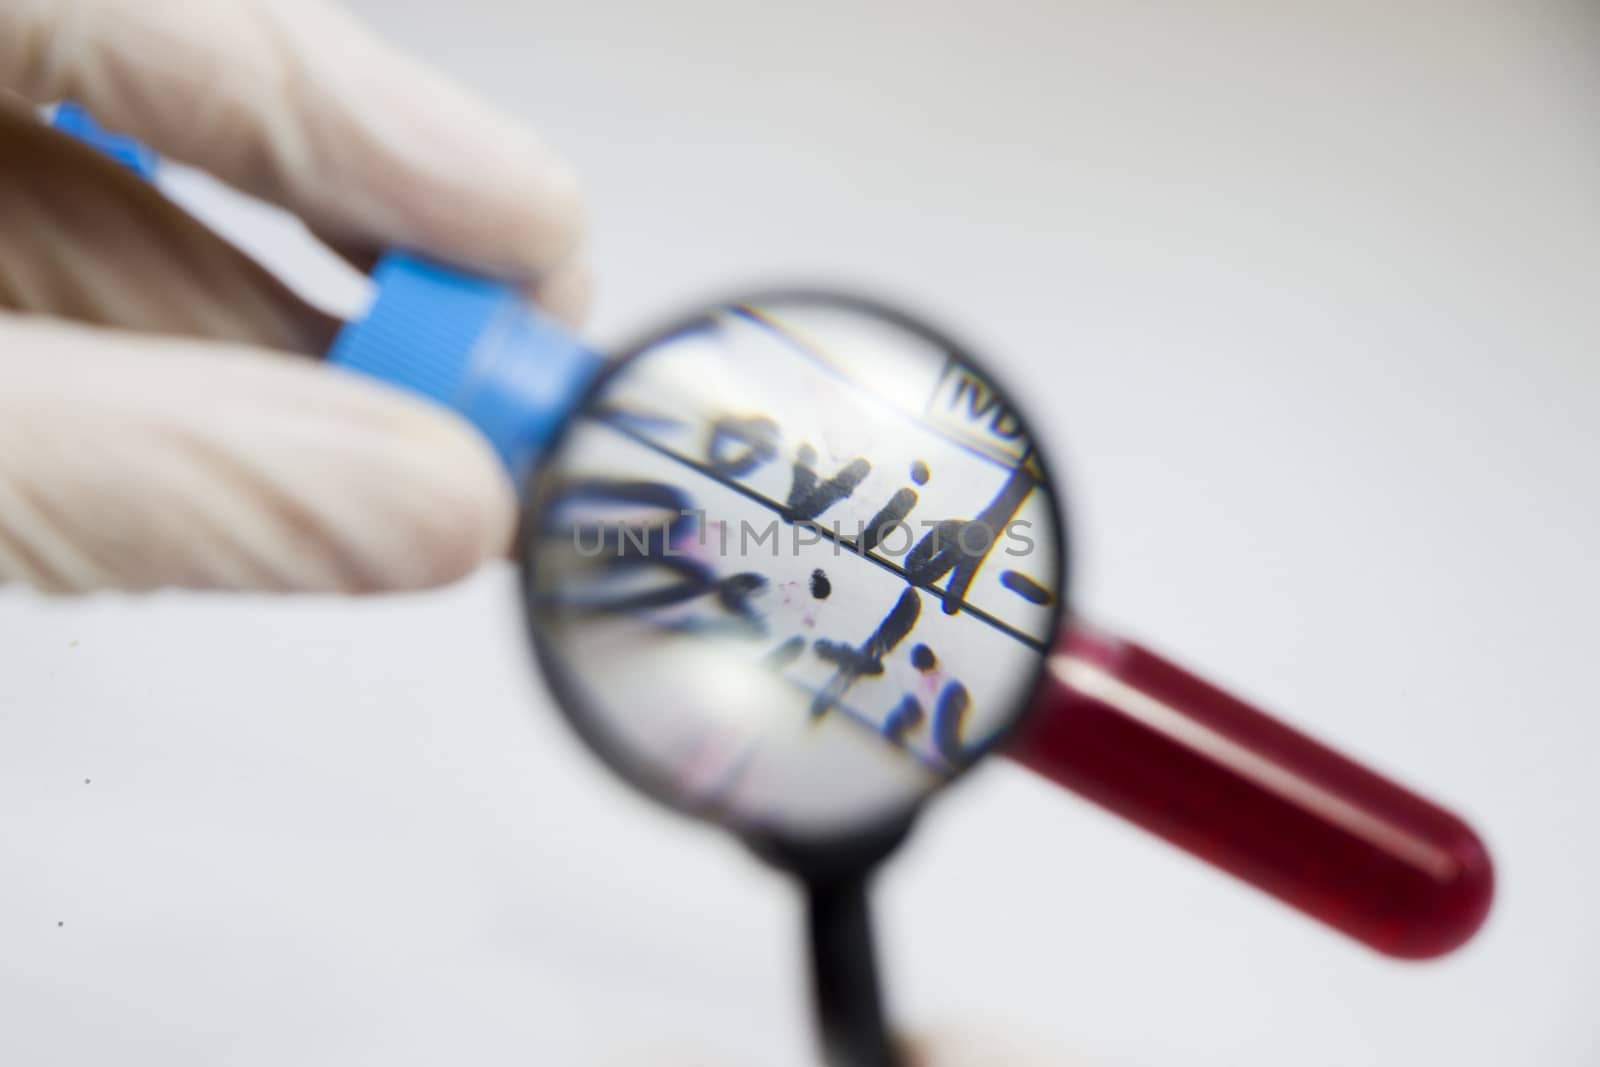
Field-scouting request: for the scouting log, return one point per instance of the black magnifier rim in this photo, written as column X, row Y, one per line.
column 586, row 720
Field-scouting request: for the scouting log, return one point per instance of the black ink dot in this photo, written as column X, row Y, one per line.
column 923, row 659
column 86, row 781
column 919, row 472
column 61, row 924
column 820, row 586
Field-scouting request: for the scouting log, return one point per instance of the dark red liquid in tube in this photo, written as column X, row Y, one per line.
column 1246, row 793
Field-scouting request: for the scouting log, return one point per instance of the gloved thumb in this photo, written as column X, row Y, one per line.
column 136, row 461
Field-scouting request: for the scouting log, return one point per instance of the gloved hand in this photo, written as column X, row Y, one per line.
column 156, row 425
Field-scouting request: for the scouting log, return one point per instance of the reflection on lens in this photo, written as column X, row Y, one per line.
column 794, row 565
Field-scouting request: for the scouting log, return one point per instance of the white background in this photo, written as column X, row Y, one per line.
column 1309, row 296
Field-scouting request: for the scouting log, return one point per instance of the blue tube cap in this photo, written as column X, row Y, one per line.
column 473, row 345
column 75, row 119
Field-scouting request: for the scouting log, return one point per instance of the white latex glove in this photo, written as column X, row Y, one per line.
column 156, row 427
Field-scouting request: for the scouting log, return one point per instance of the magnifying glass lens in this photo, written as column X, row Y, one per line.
column 793, row 565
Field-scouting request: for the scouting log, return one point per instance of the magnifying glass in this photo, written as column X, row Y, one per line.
column 793, row 565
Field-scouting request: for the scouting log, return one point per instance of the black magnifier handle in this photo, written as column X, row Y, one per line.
column 844, row 973
column 835, row 877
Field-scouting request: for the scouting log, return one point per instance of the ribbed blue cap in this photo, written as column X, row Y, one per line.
column 471, row 344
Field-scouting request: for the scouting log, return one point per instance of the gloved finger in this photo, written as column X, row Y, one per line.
column 295, row 102
column 87, row 240
column 566, row 292
column 135, row 462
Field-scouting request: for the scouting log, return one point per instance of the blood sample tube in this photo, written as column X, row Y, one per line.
column 1227, row 783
